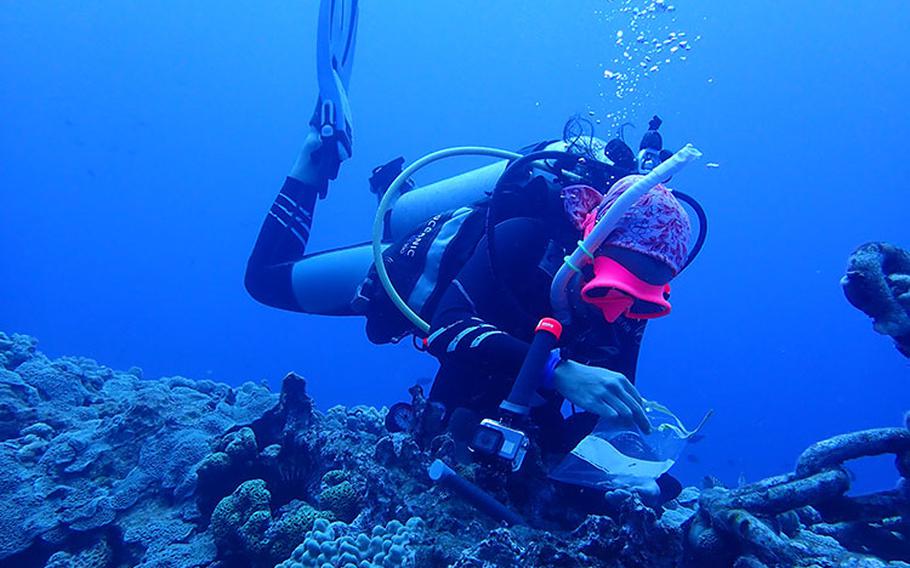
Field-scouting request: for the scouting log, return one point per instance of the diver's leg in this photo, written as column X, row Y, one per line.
column 279, row 273
column 284, row 234
column 326, row 282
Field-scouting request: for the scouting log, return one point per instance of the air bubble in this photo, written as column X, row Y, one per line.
column 654, row 40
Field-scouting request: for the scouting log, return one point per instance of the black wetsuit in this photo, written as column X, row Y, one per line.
column 480, row 331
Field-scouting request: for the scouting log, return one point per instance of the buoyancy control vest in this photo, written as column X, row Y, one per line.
column 424, row 262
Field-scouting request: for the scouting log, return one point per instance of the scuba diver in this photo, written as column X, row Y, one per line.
column 476, row 255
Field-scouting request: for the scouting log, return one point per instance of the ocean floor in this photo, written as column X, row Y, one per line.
column 105, row 468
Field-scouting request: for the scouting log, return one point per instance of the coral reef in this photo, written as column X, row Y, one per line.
column 336, row 544
column 878, row 283
column 107, row 469
column 86, row 449
column 340, row 497
column 243, row 527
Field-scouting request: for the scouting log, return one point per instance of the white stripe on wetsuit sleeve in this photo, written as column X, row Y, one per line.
column 479, row 339
column 303, row 212
column 435, row 335
column 454, row 343
column 300, row 237
column 303, row 223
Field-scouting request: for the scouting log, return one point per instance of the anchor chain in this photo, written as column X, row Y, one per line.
column 811, row 503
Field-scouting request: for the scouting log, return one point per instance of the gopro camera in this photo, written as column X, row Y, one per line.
column 494, row 439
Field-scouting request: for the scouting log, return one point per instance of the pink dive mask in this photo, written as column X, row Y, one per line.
column 618, row 292
column 657, row 227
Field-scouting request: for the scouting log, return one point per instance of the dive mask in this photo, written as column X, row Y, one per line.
column 658, row 228
column 614, row 289
column 617, row 292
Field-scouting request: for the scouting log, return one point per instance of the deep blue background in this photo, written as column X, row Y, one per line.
column 141, row 144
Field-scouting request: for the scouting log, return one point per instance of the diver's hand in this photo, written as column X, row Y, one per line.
column 602, row 392
column 318, row 161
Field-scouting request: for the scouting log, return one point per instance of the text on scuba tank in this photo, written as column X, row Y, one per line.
column 411, row 246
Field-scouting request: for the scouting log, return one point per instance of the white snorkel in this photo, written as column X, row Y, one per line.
column 584, row 251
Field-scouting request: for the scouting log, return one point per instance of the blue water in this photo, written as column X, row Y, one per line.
column 142, row 143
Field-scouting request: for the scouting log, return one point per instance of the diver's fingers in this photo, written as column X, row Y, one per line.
column 627, row 387
column 904, row 300
column 621, row 408
column 637, row 413
column 602, row 408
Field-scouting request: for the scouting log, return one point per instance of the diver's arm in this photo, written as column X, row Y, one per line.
column 275, row 272
column 458, row 334
column 478, row 345
column 461, row 330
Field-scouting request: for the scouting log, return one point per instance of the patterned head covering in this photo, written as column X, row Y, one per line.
column 657, row 225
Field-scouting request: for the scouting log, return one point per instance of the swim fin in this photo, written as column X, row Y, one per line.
column 334, row 59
